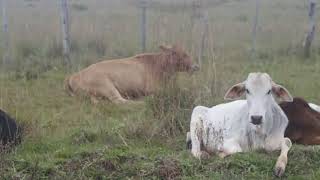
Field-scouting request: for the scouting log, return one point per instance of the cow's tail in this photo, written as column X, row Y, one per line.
column 67, row 86
column 188, row 141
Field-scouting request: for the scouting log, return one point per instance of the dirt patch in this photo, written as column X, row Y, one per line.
column 91, row 160
column 168, row 169
column 71, row 166
column 108, row 165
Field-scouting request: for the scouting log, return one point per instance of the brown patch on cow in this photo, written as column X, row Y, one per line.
column 168, row 169
column 304, row 122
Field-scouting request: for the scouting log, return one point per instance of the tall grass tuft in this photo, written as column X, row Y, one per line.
column 170, row 107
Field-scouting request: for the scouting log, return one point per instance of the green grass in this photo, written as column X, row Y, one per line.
column 68, row 137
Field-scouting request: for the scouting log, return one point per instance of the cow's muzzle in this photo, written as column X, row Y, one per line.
column 256, row 120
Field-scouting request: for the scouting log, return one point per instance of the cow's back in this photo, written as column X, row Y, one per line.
column 126, row 75
column 226, row 117
column 304, row 122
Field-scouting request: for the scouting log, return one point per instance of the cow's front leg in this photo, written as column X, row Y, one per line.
column 283, row 158
column 197, row 133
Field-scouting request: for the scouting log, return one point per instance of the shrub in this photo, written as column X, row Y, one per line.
column 97, row 46
column 171, row 108
column 26, row 49
column 53, row 49
column 30, row 60
column 79, row 7
column 242, row 18
column 82, row 137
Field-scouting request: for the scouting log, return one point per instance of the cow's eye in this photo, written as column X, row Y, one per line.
column 269, row 92
column 247, row 91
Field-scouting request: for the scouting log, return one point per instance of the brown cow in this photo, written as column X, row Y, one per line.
column 304, row 122
column 133, row 77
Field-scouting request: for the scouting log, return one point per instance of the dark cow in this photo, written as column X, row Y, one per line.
column 9, row 130
column 304, row 121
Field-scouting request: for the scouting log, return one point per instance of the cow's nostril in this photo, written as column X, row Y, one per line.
column 256, row 120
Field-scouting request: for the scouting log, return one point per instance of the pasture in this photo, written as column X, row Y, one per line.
column 70, row 138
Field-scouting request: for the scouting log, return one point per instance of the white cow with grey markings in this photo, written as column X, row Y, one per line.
column 242, row 126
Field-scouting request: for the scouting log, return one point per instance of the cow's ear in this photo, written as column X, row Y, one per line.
column 281, row 92
column 235, row 92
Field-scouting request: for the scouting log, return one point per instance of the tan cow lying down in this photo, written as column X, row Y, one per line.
column 122, row 79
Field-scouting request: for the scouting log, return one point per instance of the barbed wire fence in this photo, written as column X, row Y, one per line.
column 5, row 31
column 312, row 28
column 198, row 10
column 65, row 26
column 143, row 4
column 255, row 29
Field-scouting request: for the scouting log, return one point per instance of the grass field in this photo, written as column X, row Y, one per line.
column 70, row 138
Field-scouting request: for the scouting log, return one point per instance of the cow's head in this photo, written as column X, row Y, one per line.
column 260, row 91
column 179, row 60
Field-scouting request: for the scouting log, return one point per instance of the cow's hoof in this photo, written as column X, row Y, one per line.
column 278, row 171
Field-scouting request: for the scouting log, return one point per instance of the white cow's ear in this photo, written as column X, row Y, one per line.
column 281, row 93
column 235, row 92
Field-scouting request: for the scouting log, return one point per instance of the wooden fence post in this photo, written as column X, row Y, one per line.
column 255, row 29
column 65, row 31
column 5, row 31
column 196, row 12
column 204, row 36
column 201, row 16
column 312, row 27
column 143, row 4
